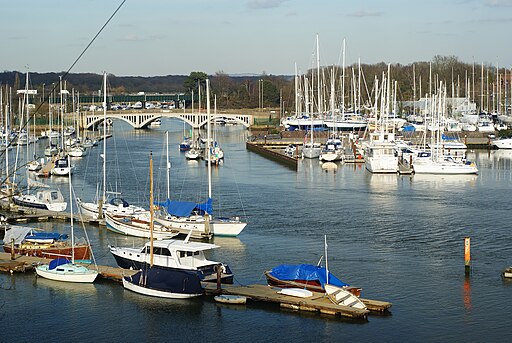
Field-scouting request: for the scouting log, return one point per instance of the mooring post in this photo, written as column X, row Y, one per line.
column 13, row 255
column 467, row 255
column 218, row 269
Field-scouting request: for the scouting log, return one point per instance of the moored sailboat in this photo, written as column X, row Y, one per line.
column 63, row 269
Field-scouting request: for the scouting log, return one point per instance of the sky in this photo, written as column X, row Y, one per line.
column 166, row 37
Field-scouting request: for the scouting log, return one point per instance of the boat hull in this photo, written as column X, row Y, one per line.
column 218, row 226
column 68, row 273
column 310, row 285
column 124, row 225
column 82, row 252
column 207, row 273
column 343, row 297
column 165, row 283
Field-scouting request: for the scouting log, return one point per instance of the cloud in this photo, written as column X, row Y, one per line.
column 264, row 4
column 499, row 3
column 361, row 14
column 131, row 38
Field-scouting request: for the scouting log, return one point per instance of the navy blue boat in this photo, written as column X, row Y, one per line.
column 164, row 283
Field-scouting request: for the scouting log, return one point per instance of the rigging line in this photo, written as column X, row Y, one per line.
column 65, row 74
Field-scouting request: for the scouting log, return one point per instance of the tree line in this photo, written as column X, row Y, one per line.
column 278, row 91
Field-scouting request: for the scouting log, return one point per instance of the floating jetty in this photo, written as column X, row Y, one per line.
column 256, row 293
column 272, row 153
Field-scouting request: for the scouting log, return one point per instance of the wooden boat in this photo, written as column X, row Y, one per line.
column 341, row 296
column 304, row 276
column 15, row 237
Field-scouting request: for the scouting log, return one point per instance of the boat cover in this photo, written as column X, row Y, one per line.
column 57, row 262
column 448, row 138
column 306, row 272
column 185, row 208
column 17, row 233
column 46, row 235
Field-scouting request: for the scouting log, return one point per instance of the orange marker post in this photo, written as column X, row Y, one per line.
column 467, row 255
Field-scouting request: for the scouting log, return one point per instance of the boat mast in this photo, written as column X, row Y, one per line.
column 168, row 165
column 71, row 216
column 343, row 83
column 318, row 76
column 151, row 224
column 326, row 261
column 296, row 83
column 104, row 195
column 208, row 138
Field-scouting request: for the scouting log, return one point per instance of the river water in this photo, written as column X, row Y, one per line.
column 399, row 238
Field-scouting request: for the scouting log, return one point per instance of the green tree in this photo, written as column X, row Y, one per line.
column 193, row 81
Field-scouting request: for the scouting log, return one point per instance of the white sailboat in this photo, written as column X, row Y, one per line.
column 312, row 149
column 61, row 269
column 116, row 206
column 434, row 161
column 198, row 217
column 62, row 165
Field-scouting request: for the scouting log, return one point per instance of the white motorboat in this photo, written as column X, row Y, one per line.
column 502, row 143
column 380, row 156
column 46, row 199
column 179, row 255
column 62, row 167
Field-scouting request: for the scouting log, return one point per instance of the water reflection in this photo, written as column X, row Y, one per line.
column 445, row 182
column 467, row 293
column 68, row 288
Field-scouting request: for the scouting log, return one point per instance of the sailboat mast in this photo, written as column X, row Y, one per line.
column 209, row 138
column 61, row 116
column 326, row 261
column 71, row 216
column 168, row 165
column 104, row 136
column 151, row 224
column 343, row 83
column 318, row 76
column 296, row 84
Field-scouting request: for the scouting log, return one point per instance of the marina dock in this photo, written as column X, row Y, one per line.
column 256, row 292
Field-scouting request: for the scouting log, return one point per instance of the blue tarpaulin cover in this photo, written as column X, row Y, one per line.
column 57, row 262
column 307, row 272
column 46, row 235
column 448, row 138
column 185, row 208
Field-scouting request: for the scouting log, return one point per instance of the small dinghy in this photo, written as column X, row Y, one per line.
column 296, row 292
column 230, row 299
column 341, row 296
column 507, row 273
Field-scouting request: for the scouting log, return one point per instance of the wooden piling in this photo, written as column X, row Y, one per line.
column 467, row 255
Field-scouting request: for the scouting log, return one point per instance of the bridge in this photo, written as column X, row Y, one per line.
column 143, row 118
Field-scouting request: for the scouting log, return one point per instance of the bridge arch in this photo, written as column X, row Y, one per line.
column 141, row 119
